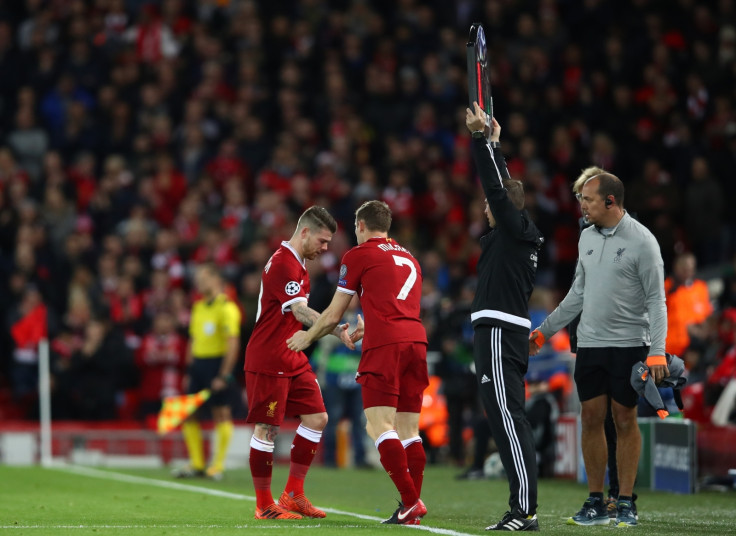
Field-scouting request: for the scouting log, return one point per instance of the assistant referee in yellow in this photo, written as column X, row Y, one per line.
column 214, row 342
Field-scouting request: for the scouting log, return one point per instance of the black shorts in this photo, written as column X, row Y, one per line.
column 607, row 371
column 201, row 374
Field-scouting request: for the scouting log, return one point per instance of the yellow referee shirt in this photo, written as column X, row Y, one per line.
column 211, row 325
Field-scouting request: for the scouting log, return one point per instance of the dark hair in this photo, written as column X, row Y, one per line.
column 515, row 191
column 376, row 215
column 610, row 185
column 316, row 218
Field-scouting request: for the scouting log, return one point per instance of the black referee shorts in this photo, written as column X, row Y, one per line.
column 607, row 371
column 201, row 373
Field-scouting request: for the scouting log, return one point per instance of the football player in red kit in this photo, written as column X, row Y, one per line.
column 280, row 382
column 393, row 366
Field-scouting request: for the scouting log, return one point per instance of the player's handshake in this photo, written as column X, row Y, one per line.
column 301, row 339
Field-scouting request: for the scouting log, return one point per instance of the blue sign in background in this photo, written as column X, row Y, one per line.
column 673, row 456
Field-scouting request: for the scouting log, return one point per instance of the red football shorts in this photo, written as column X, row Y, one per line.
column 394, row 375
column 271, row 398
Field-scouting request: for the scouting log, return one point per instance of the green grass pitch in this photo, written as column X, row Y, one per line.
column 36, row 501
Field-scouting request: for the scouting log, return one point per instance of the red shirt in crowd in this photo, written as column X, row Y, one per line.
column 161, row 360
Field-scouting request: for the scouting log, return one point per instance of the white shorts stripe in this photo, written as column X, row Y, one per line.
column 500, row 315
column 515, row 443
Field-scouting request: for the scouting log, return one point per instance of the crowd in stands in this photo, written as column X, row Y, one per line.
column 138, row 139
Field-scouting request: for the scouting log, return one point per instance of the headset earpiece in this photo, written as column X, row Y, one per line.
column 609, row 201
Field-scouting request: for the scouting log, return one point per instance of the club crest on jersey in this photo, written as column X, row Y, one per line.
column 619, row 254
column 292, row 288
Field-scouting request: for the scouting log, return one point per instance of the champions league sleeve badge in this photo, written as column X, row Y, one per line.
column 343, row 273
column 292, row 288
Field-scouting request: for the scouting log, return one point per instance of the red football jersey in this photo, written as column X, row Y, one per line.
column 162, row 362
column 284, row 282
column 388, row 281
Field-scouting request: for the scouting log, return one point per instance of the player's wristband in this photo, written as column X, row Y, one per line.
column 653, row 360
column 495, row 144
column 478, row 134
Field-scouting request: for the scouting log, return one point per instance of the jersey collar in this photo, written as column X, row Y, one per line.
column 625, row 217
column 288, row 246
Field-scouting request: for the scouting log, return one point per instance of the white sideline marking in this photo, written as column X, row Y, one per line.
column 132, row 479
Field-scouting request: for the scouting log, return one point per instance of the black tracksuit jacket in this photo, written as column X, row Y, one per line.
column 508, row 262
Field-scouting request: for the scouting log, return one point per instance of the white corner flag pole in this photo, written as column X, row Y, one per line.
column 44, row 396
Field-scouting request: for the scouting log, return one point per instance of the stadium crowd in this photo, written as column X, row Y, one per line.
column 138, row 139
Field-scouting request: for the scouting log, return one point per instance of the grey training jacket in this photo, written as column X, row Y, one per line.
column 619, row 287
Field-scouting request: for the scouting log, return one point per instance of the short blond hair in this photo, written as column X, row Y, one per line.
column 587, row 173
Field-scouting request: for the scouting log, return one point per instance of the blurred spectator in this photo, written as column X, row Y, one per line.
column 721, row 384
column 704, row 204
column 88, row 383
column 151, row 36
column 459, row 384
column 688, row 305
column 542, row 412
column 728, row 295
column 161, row 360
column 29, row 142
column 28, row 324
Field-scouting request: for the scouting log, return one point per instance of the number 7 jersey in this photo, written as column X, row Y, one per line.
column 388, row 281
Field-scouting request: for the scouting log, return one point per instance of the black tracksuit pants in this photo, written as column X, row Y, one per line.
column 501, row 360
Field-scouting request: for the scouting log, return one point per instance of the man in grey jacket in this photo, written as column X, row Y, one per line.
column 619, row 288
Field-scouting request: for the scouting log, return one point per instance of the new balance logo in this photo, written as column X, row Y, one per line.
column 484, row 379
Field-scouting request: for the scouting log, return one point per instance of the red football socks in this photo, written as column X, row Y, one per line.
column 261, row 467
column 303, row 450
column 416, row 459
column 393, row 460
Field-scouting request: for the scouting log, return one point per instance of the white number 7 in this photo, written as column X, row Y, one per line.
column 403, row 261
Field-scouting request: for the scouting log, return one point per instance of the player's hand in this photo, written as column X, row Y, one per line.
column 495, row 134
column 475, row 119
column 357, row 333
column 298, row 341
column 659, row 373
column 344, row 335
column 218, row 384
column 658, row 368
column 536, row 341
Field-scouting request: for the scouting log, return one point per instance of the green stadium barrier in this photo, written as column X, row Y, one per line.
column 644, row 477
